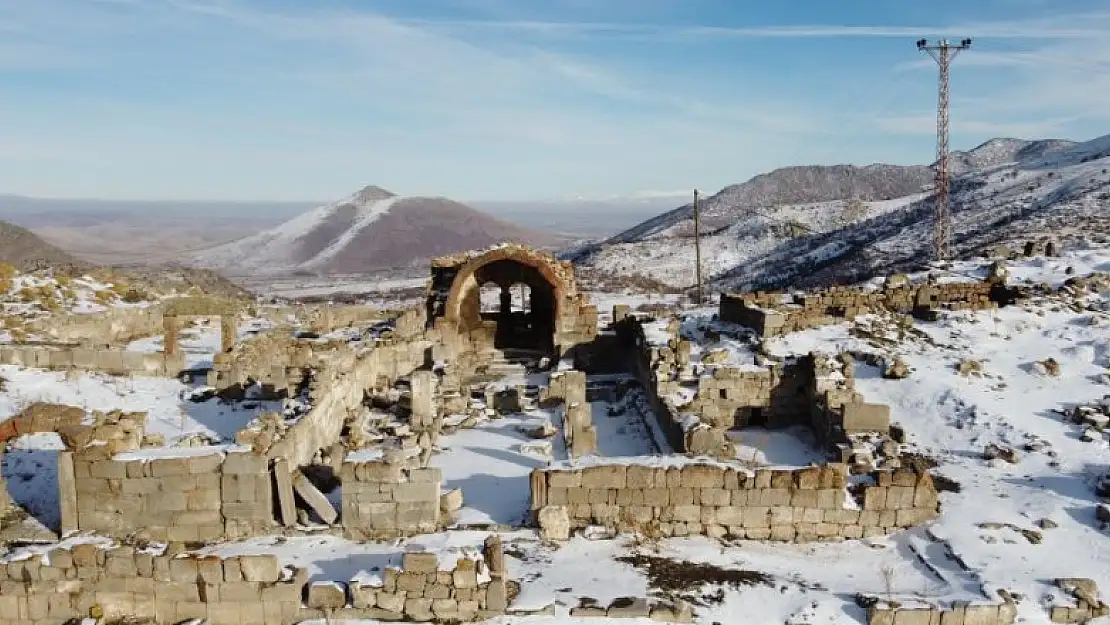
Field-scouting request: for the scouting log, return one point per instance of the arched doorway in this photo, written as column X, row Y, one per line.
column 506, row 301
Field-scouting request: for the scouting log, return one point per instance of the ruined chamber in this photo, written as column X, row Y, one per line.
column 508, row 298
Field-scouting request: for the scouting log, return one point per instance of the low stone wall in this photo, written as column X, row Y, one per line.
column 113, row 583
column 274, row 359
column 774, row 314
column 202, row 494
column 115, row 326
column 342, row 384
column 107, row 360
column 388, row 499
column 723, row 500
column 426, row 587
column 954, row 614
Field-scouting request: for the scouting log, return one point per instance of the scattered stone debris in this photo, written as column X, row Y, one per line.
column 1088, row 604
column 969, row 368
column 994, row 452
column 1046, row 524
column 897, row 369
column 1048, row 366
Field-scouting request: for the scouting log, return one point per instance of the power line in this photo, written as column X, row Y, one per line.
column 943, row 53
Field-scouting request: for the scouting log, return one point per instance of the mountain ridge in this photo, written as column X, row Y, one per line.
column 372, row 228
column 759, row 246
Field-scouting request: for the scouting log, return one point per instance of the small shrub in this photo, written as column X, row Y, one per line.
column 49, row 303
column 5, row 285
column 133, row 296
column 105, row 297
column 28, row 294
column 63, row 281
column 7, row 272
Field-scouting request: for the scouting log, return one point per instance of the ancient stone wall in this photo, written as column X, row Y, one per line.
column 115, row 326
column 112, row 582
column 108, row 360
column 953, row 614
column 775, row 314
column 272, row 359
column 341, row 385
column 728, row 500
column 119, row 582
column 472, row 585
column 388, row 499
column 189, row 495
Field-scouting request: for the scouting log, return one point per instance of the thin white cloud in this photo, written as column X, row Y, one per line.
column 495, row 106
column 1064, row 26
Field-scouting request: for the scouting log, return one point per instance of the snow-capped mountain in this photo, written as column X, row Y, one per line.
column 758, row 236
column 372, row 229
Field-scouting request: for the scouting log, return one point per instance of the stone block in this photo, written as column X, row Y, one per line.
column 260, row 568
column 611, row 476
column 640, row 477
column 564, row 479
column 419, row 562
column 874, row 498
column 326, row 595
column 702, row 476
column 419, row 609
column 168, row 467
column 861, row 417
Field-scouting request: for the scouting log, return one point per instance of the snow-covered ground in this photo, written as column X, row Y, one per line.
column 1062, row 191
column 1012, row 527
column 669, row 255
column 491, row 462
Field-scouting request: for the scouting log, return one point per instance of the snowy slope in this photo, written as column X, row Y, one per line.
column 1063, row 194
column 671, row 260
column 371, row 229
column 1019, row 187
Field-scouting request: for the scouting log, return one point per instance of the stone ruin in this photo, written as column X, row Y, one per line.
column 81, row 342
column 555, row 319
column 375, row 411
column 775, row 314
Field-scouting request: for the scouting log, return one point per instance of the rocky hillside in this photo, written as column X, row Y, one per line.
column 783, row 187
column 24, row 250
column 816, row 209
column 1062, row 193
column 372, row 229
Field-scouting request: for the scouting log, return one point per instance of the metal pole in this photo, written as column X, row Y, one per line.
column 943, row 53
column 697, row 246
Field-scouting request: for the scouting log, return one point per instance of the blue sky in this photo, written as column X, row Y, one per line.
column 516, row 99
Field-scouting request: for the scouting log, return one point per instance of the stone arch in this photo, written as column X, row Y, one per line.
column 507, row 266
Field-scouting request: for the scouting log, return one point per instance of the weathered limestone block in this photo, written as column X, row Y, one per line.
column 861, row 417
column 554, row 523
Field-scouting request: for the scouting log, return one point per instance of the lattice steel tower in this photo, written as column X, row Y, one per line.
column 943, row 53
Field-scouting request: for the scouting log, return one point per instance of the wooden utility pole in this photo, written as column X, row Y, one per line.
column 697, row 246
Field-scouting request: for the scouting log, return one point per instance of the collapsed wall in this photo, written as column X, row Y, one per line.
column 385, row 499
column 647, row 496
column 776, row 314
column 695, row 411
